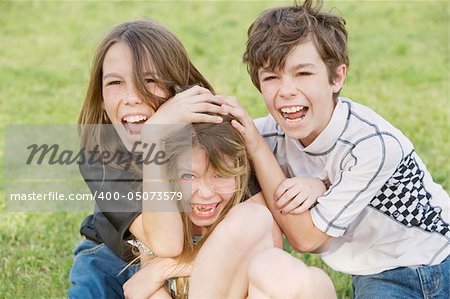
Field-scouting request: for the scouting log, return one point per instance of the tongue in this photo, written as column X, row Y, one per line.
column 295, row 115
column 134, row 128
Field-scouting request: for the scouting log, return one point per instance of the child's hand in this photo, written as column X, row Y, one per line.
column 296, row 195
column 244, row 123
column 189, row 106
column 146, row 282
column 152, row 276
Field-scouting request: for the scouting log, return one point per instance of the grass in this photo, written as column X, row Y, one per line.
column 399, row 67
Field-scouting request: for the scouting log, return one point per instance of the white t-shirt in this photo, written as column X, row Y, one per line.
column 382, row 207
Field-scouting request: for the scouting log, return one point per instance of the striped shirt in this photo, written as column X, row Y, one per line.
column 382, row 208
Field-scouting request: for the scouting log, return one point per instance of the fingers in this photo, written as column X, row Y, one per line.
column 195, row 90
column 193, row 98
column 202, row 102
column 296, row 204
column 297, row 201
column 196, row 94
column 230, row 101
column 240, row 128
column 194, row 105
column 232, row 106
column 286, row 184
column 303, row 207
column 239, row 113
column 292, row 198
column 205, row 118
column 206, row 108
column 297, row 195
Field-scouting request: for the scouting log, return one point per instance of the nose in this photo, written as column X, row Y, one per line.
column 205, row 190
column 287, row 89
column 131, row 98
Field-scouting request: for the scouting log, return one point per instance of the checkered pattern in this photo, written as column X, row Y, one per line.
column 405, row 199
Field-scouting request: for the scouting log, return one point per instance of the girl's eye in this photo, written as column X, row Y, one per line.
column 187, row 176
column 116, row 82
column 149, row 80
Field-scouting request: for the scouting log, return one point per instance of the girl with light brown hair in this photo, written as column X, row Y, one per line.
column 135, row 74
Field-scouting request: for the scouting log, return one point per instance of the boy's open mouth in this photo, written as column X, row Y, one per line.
column 294, row 113
column 133, row 123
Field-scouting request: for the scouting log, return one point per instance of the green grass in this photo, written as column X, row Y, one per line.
column 399, row 67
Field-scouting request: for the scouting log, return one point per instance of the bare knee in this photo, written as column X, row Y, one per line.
column 322, row 284
column 247, row 222
column 277, row 274
column 275, row 263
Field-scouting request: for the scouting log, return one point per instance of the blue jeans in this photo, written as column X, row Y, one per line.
column 95, row 272
column 429, row 282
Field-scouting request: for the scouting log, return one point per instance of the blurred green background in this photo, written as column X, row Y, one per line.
column 399, row 66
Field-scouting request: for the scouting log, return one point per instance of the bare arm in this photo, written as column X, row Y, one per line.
column 299, row 229
column 148, row 228
column 159, row 226
column 276, row 231
column 152, row 276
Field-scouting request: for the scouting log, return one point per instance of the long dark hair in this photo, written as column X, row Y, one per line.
column 151, row 45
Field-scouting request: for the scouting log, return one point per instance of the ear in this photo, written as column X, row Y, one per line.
column 339, row 77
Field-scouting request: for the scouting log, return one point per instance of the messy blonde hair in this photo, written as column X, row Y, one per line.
column 222, row 144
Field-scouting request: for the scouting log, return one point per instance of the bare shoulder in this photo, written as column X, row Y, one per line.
column 258, row 198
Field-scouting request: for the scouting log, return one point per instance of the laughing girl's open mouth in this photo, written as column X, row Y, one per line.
column 133, row 123
column 204, row 210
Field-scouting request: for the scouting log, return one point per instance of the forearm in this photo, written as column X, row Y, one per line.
column 166, row 268
column 161, row 232
column 160, row 227
column 153, row 275
column 299, row 229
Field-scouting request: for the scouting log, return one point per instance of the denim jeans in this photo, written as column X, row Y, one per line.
column 95, row 272
column 428, row 282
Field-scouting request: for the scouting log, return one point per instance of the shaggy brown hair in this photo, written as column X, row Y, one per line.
column 277, row 31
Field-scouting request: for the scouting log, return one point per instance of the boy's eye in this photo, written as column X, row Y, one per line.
column 268, row 78
column 301, row 74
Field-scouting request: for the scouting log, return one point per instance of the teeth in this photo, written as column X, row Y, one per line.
column 293, row 120
column 203, row 208
column 134, row 118
column 292, row 109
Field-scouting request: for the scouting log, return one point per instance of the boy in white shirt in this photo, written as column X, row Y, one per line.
column 382, row 219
